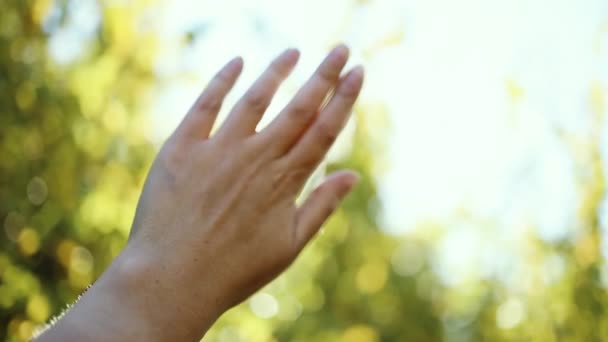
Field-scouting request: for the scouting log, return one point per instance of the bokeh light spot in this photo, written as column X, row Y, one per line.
column 81, row 260
column 41, row 9
column 264, row 305
column 38, row 308
column 13, row 224
column 13, row 326
column 29, row 241
column 313, row 298
column 25, row 330
column 80, row 273
column 64, row 252
column 229, row 334
column 509, row 314
column 407, row 260
column 37, row 191
column 360, row 333
column 372, row 276
column 290, row 309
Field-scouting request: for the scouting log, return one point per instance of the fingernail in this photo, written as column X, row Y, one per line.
column 235, row 63
column 339, row 53
column 354, row 78
column 291, row 53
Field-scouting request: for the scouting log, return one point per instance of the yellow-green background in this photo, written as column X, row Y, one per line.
column 78, row 131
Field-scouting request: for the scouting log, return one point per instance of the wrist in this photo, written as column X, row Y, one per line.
column 104, row 312
column 153, row 292
column 129, row 303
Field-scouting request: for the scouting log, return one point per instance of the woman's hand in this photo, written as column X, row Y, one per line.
column 217, row 219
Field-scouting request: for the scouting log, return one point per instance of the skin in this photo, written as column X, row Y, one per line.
column 217, row 218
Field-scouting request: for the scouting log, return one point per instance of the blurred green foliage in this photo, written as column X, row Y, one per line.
column 74, row 154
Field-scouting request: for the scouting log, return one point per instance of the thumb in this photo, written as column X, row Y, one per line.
column 321, row 203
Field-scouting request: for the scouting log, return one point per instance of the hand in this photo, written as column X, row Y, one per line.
column 217, row 219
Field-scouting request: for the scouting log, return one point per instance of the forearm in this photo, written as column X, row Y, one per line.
column 123, row 306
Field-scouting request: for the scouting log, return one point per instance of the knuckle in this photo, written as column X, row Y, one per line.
column 325, row 133
column 309, row 163
column 328, row 75
column 172, row 157
column 210, row 105
column 298, row 176
column 300, row 112
column 279, row 167
column 261, row 146
column 170, row 150
column 277, row 70
column 257, row 99
column 285, row 177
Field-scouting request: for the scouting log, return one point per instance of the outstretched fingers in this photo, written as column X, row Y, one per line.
column 310, row 150
column 248, row 111
column 201, row 117
column 286, row 129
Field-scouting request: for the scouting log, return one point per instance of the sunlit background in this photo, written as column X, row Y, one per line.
column 479, row 135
